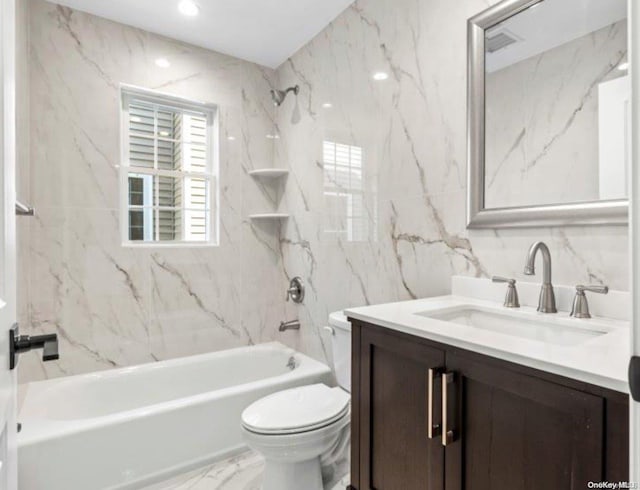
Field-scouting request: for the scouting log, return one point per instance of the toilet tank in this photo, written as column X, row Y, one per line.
column 341, row 348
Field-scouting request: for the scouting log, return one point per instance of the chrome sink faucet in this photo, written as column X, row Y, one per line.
column 547, row 301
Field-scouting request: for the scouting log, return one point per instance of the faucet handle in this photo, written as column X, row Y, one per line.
column 594, row 289
column 511, row 282
column 511, row 299
column 580, row 308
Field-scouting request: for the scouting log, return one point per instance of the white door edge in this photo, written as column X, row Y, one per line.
column 634, row 224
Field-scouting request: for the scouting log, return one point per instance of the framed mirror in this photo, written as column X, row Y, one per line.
column 548, row 114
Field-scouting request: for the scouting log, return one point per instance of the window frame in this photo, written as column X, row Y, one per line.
column 128, row 94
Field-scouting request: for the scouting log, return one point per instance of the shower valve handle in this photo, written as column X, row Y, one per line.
column 295, row 291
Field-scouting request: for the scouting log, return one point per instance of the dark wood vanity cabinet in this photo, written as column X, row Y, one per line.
column 507, row 426
column 395, row 452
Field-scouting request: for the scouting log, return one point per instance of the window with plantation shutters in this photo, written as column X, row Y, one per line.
column 168, row 176
column 346, row 214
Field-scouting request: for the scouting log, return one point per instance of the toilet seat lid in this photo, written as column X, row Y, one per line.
column 296, row 410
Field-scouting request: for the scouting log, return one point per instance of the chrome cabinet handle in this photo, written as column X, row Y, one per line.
column 433, row 430
column 448, row 432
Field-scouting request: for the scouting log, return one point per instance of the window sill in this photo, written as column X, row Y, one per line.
column 170, row 245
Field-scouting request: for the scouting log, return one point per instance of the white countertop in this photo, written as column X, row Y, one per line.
column 601, row 360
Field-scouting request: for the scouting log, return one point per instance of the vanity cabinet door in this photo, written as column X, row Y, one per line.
column 395, row 451
column 519, row 432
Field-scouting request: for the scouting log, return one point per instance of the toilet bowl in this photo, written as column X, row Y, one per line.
column 301, row 431
column 297, row 431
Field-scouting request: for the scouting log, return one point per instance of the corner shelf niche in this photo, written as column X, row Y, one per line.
column 269, row 216
column 269, row 173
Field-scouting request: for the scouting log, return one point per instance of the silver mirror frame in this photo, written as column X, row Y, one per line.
column 613, row 212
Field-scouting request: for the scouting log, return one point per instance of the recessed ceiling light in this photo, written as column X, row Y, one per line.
column 231, row 138
column 273, row 136
column 163, row 63
column 188, row 8
column 623, row 66
column 380, row 75
column 327, row 105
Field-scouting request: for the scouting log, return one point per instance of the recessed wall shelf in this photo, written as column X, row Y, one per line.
column 269, row 173
column 266, row 216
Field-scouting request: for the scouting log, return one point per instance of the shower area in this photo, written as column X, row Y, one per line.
column 190, row 221
column 154, row 250
column 150, row 166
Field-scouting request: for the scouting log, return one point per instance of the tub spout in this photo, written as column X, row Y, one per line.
column 292, row 325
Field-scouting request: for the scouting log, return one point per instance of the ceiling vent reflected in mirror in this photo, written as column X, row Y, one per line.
column 500, row 40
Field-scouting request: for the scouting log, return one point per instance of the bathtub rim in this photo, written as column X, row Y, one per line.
column 37, row 429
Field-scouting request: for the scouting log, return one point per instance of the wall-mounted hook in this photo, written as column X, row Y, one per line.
column 24, row 210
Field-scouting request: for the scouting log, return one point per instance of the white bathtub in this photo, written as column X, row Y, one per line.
column 129, row 427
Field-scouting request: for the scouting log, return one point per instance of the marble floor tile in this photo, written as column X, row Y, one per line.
column 241, row 472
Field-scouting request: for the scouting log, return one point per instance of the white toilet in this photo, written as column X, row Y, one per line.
column 301, row 430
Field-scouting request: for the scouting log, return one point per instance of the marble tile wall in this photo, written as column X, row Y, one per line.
column 115, row 306
column 542, row 120
column 411, row 128
column 402, row 234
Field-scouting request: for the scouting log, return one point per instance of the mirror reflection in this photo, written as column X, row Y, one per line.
column 557, row 105
column 350, row 211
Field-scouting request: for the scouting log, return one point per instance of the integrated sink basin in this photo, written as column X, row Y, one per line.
column 533, row 326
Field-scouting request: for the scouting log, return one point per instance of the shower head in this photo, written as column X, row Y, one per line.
column 278, row 96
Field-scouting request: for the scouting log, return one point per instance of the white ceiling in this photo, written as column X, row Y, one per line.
column 552, row 23
column 266, row 32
